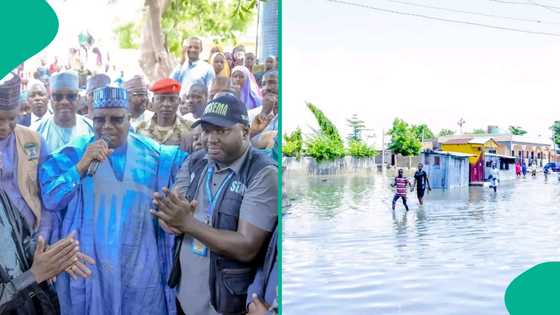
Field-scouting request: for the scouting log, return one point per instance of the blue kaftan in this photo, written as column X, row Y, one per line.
column 110, row 212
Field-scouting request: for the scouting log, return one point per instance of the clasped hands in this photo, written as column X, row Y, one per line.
column 175, row 213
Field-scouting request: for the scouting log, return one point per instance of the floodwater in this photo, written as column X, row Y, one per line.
column 346, row 252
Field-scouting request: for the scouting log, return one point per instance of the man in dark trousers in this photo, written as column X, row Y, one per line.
column 262, row 297
column 421, row 182
column 401, row 182
column 227, row 217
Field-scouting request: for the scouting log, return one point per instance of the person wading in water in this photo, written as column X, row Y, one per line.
column 400, row 182
column 420, row 181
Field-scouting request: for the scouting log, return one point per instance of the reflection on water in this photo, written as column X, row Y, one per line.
column 346, row 252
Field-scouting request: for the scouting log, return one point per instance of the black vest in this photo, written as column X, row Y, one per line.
column 229, row 279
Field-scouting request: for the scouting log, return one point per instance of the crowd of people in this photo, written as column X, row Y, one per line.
column 123, row 197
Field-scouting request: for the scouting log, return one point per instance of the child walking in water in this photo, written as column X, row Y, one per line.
column 401, row 183
column 494, row 177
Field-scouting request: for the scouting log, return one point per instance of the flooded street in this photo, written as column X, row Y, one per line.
column 346, row 252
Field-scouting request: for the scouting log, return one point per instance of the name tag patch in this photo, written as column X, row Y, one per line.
column 238, row 188
column 31, row 150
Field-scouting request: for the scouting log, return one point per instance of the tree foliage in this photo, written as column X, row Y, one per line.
column 423, row 132
column 221, row 20
column 327, row 143
column 446, row 132
column 128, row 35
column 323, row 148
column 479, row 131
column 556, row 132
column 357, row 126
column 403, row 139
column 293, row 144
column 327, row 127
column 517, row 131
column 360, row 149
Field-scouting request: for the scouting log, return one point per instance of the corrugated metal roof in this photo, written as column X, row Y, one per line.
column 480, row 140
column 532, row 140
column 500, row 138
column 470, row 140
column 458, row 141
column 455, row 154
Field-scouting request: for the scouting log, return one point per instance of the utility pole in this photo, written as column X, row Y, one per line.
column 461, row 123
column 382, row 150
column 258, row 24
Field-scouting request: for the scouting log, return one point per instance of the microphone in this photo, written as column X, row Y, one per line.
column 95, row 163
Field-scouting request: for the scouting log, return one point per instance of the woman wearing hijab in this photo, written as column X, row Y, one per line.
column 221, row 67
column 249, row 92
column 229, row 59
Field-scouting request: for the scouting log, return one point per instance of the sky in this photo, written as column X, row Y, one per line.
column 352, row 60
column 95, row 16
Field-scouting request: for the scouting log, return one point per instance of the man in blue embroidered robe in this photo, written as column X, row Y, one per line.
column 110, row 212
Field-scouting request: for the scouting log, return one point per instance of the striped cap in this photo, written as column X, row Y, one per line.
column 10, row 87
column 110, row 97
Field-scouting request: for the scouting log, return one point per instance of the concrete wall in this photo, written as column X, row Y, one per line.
column 348, row 165
column 399, row 160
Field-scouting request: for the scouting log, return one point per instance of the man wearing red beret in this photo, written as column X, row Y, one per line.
column 166, row 127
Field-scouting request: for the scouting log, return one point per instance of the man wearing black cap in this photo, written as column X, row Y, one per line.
column 224, row 208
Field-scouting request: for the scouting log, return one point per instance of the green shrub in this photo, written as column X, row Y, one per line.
column 292, row 145
column 323, row 148
column 359, row 149
column 327, row 144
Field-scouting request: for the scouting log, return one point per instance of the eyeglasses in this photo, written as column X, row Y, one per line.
column 114, row 120
column 71, row 97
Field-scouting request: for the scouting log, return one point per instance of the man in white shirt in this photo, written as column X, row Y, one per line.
column 38, row 99
column 193, row 69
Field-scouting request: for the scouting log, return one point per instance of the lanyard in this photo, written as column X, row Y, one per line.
column 212, row 199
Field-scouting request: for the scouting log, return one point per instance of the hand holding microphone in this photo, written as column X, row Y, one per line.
column 96, row 153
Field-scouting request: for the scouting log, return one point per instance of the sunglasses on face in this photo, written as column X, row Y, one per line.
column 114, row 120
column 58, row 97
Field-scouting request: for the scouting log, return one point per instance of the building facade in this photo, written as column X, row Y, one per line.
column 477, row 147
column 446, row 169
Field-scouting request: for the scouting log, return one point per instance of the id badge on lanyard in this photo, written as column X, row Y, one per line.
column 198, row 247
